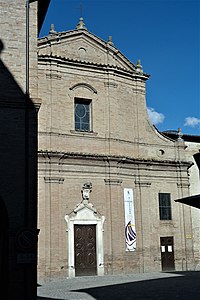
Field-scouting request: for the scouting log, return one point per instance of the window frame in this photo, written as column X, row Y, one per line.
column 165, row 209
column 79, row 100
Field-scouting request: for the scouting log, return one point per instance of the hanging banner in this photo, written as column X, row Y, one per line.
column 130, row 232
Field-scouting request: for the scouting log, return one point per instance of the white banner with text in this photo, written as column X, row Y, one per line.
column 130, row 232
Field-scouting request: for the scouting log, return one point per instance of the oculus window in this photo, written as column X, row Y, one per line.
column 82, row 114
column 165, row 206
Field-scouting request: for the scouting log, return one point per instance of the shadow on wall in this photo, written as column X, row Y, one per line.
column 18, row 184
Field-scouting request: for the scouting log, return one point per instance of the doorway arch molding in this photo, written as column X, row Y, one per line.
column 85, row 214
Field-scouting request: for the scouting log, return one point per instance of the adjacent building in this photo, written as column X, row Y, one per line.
column 20, row 22
column 192, row 149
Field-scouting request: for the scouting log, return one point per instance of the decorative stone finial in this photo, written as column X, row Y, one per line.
column 81, row 24
column 139, row 67
column 180, row 134
column 86, row 190
column 110, row 42
column 52, row 29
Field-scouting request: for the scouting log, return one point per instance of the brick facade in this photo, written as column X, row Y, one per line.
column 122, row 150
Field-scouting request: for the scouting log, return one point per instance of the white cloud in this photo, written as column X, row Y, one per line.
column 192, row 122
column 154, row 116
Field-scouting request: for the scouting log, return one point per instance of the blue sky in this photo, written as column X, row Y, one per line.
column 163, row 34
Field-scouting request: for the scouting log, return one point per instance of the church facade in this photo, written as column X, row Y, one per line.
column 107, row 178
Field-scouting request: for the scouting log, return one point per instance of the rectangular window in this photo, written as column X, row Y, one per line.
column 82, row 114
column 165, row 206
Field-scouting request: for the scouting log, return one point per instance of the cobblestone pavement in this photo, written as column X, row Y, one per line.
column 148, row 286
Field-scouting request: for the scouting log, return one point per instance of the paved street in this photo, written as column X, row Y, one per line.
column 156, row 286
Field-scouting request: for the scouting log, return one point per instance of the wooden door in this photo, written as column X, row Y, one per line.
column 85, row 250
column 167, row 253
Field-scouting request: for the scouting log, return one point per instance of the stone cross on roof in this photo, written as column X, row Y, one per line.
column 81, row 24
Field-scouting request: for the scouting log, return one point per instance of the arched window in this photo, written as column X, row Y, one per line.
column 82, row 114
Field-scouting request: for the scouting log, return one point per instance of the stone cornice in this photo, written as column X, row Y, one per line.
column 111, row 158
column 21, row 104
column 54, row 180
column 143, row 183
column 87, row 64
column 113, row 181
column 183, row 185
column 56, row 38
column 93, row 134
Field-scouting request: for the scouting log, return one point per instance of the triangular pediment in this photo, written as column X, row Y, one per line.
column 85, row 207
column 81, row 45
column 84, row 211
